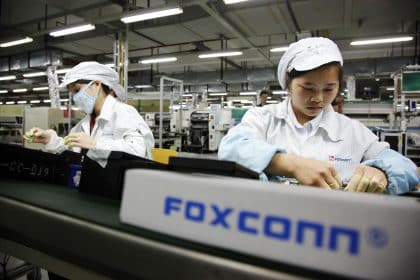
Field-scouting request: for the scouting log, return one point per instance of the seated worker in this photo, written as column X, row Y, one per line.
column 263, row 97
column 338, row 104
column 304, row 138
column 109, row 124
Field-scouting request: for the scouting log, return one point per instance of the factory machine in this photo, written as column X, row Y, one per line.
column 152, row 120
column 208, row 128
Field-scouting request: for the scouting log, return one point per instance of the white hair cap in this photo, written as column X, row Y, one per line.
column 307, row 54
column 94, row 71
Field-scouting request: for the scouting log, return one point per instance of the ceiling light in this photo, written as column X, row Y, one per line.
column 40, row 88
column 71, row 30
column 63, row 71
column 3, row 91
column 20, row 90
column 147, row 14
column 389, row 88
column 158, row 60
column 218, row 94
column 281, row 92
column 35, row 101
column 10, row 102
column 381, row 41
column 248, row 93
column 22, row 102
column 220, row 54
column 34, row 74
column 143, row 86
column 16, row 42
column 228, row 2
column 46, row 101
column 279, row 49
column 5, row 78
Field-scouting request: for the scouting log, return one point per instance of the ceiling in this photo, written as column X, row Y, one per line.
column 253, row 27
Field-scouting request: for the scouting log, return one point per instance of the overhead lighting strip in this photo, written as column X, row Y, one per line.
column 147, row 14
column 72, row 30
column 16, row 42
column 381, row 41
column 220, row 54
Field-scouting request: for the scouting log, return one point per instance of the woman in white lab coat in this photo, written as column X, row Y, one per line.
column 304, row 138
column 109, row 124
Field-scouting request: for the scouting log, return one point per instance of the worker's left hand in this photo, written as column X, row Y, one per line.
column 80, row 139
column 367, row 179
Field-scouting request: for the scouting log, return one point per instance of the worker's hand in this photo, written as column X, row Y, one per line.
column 37, row 135
column 81, row 140
column 307, row 171
column 367, row 179
column 313, row 172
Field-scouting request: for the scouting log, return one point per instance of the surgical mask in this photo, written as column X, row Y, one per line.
column 84, row 100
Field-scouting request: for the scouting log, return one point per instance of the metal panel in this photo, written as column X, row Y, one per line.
column 19, row 61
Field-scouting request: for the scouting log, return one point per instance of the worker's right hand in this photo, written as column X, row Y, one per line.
column 307, row 171
column 37, row 135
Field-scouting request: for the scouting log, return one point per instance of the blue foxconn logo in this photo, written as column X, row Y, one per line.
column 276, row 227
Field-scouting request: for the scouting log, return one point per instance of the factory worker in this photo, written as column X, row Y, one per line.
column 109, row 124
column 304, row 138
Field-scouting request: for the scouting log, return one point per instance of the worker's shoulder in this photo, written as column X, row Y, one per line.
column 348, row 123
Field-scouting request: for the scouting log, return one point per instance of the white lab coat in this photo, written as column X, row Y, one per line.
column 343, row 142
column 119, row 127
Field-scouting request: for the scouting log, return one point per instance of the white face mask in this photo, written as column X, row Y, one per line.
column 84, row 100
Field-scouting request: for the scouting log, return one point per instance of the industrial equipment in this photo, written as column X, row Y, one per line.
column 208, row 128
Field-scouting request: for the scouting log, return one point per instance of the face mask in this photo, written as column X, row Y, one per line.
column 84, row 100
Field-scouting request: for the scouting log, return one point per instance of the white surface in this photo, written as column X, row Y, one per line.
column 396, row 218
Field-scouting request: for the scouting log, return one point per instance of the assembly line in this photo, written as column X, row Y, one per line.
column 282, row 144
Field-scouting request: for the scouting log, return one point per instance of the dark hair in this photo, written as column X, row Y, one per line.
column 294, row 74
column 105, row 88
column 264, row 91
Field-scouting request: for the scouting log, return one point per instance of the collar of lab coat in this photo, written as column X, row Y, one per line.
column 329, row 121
column 106, row 111
column 105, row 115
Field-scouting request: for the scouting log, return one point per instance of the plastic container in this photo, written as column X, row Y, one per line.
column 162, row 155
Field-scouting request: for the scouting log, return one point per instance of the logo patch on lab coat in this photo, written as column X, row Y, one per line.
column 339, row 159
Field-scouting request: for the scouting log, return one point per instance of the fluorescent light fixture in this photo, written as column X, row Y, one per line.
column 158, row 60
column 248, row 93
column 187, row 95
column 64, row 100
column 143, row 86
column 72, row 29
column 218, row 94
column 3, row 91
column 228, row 2
column 35, row 101
column 10, row 102
column 1, row 103
column 279, row 49
column 22, row 102
column 40, row 88
column 147, row 14
column 20, row 90
column 16, row 42
column 10, row 77
column 63, row 71
column 381, row 41
column 34, row 74
column 390, row 88
column 280, row 92
column 220, row 54
column 46, row 101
